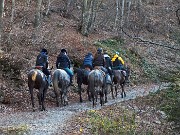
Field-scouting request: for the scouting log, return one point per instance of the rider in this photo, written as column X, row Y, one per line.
column 108, row 63
column 99, row 61
column 88, row 61
column 118, row 62
column 42, row 60
column 63, row 62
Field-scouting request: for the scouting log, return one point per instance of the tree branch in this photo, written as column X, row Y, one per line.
column 149, row 41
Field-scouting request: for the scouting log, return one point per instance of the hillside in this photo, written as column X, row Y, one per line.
column 150, row 43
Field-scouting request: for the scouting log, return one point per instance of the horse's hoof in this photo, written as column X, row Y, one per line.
column 81, row 101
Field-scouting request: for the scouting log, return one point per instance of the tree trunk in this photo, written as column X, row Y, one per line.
column 117, row 15
column 128, row 12
column 84, row 18
column 1, row 16
column 38, row 13
column 122, row 17
column 49, row 3
column 88, row 16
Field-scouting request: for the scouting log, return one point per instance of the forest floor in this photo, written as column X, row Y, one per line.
column 59, row 120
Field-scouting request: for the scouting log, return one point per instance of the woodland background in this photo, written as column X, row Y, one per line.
column 145, row 32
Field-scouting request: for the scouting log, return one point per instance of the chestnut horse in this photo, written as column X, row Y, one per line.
column 119, row 79
column 37, row 80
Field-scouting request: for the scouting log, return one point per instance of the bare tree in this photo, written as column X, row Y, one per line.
column 117, row 14
column 1, row 16
column 88, row 16
column 122, row 16
column 38, row 13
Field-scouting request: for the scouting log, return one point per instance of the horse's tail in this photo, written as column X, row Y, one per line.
column 96, row 78
column 55, row 79
column 34, row 75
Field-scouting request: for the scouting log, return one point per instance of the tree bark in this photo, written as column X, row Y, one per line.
column 38, row 13
column 88, row 16
column 117, row 15
column 1, row 16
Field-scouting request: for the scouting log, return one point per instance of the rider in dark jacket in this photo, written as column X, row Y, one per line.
column 99, row 60
column 63, row 62
column 42, row 60
column 88, row 61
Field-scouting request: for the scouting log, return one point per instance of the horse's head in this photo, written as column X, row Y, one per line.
column 128, row 73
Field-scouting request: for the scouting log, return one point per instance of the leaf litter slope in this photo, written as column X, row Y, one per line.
column 54, row 120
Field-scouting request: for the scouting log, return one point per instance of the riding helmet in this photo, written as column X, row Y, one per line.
column 117, row 53
column 99, row 50
column 44, row 50
column 63, row 51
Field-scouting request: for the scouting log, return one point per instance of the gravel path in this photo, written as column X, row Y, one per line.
column 48, row 122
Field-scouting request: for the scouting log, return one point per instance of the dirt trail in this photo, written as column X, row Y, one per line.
column 50, row 122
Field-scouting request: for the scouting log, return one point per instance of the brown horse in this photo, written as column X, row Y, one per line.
column 37, row 80
column 119, row 78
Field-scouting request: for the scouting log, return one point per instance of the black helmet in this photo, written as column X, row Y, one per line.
column 44, row 50
column 63, row 51
column 99, row 50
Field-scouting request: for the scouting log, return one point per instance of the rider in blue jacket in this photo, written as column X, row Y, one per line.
column 42, row 60
column 88, row 61
column 63, row 62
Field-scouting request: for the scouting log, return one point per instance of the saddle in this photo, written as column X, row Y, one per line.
column 41, row 72
column 38, row 67
column 105, row 75
column 99, row 68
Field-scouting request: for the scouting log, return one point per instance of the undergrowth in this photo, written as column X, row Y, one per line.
column 16, row 130
column 110, row 123
column 168, row 100
column 11, row 70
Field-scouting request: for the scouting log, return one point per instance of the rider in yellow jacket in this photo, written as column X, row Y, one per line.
column 118, row 62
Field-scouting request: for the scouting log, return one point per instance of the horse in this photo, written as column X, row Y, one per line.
column 37, row 79
column 119, row 79
column 61, row 81
column 97, row 85
column 82, row 78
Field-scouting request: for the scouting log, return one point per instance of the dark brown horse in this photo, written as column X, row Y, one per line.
column 119, row 79
column 82, row 78
column 61, row 81
column 37, row 80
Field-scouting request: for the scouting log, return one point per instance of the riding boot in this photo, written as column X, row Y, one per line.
column 49, row 80
column 71, row 81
